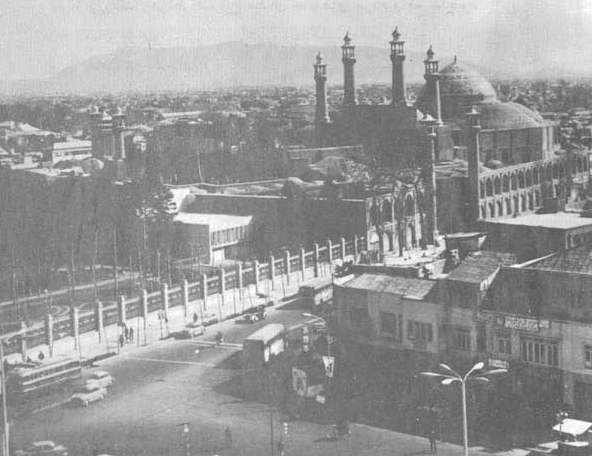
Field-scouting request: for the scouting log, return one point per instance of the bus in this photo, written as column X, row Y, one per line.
column 24, row 382
column 317, row 292
column 257, row 350
column 259, row 346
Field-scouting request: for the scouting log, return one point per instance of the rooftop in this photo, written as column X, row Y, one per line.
column 559, row 221
column 410, row 288
column 214, row 221
column 479, row 266
column 577, row 260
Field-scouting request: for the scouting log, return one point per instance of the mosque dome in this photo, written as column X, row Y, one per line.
column 460, row 80
column 508, row 115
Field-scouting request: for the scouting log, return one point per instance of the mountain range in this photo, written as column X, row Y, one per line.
column 220, row 66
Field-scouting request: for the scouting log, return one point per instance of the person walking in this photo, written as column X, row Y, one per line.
column 131, row 334
column 195, row 317
column 432, row 438
column 121, row 340
column 228, row 437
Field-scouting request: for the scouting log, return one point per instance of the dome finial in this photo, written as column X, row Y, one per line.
column 319, row 58
column 346, row 38
column 430, row 53
column 396, row 34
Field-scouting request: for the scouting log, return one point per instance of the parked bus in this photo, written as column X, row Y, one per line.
column 24, row 382
column 259, row 346
column 317, row 292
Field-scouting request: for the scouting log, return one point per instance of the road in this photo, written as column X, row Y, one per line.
column 175, row 381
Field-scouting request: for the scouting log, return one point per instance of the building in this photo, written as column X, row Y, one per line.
column 512, row 161
column 213, row 238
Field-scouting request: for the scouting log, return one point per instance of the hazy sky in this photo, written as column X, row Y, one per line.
column 40, row 37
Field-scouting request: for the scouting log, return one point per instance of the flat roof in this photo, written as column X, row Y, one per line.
column 559, row 220
column 407, row 287
column 479, row 266
column 214, row 221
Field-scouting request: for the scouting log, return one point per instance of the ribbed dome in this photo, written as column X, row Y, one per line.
column 508, row 115
column 460, row 87
column 458, row 80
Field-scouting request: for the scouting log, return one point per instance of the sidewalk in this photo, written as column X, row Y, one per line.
column 92, row 344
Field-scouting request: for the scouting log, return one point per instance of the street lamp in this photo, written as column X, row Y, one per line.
column 473, row 374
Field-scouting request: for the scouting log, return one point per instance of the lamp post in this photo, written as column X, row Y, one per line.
column 475, row 373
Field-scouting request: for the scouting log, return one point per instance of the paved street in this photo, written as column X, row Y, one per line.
column 162, row 385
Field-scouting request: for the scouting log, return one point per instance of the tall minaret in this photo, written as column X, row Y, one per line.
column 429, row 178
column 95, row 131
column 473, row 158
column 118, row 119
column 432, row 77
column 348, row 57
column 320, row 75
column 399, row 91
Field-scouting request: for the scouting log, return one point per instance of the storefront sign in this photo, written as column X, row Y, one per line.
column 497, row 363
column 525, row 324
column 329, row 362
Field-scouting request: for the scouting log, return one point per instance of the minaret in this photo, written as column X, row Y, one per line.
column 429, row 178
column 95, row 118
column 106, row 135
column 348, row 57
column 399, row 92
column 473, row 158
column 118, row 119
column 320, row 75
column 432, row 78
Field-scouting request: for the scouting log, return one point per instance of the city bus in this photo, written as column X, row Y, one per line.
column 317, row 292
column 24, row 382
column 259, row 346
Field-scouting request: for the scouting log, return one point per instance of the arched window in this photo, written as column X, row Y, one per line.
column 516, row 204
column 520, row 179
column 500, row 208
column 508, row 206
column 497, row 185
column 506, row 183
column 491, row 210
column 523, row 203
column 530, row 202
column 409, row 206
column 528, row 175
column 488, row 187
column 535, row 176
column 483, row 212
column 481, row 190
column 387, row 214
column 514, row 181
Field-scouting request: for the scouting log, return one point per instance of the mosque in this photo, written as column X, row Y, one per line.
column 481, row 158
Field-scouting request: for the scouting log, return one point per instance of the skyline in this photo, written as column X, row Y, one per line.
column 42, row 38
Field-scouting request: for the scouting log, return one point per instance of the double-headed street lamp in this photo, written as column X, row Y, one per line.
column 475, row 373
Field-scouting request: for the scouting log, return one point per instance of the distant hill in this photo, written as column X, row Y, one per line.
column 217, row 66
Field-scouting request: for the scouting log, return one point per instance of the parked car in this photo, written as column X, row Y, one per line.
column 189, row 333
column 44, row 447
column 85, row 395
column 196, row 328
column 209, row 319
column 251, row 318
column 101, row 378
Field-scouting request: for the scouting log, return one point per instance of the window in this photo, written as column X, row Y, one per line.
column 504, row 345
column 461, row 339
column 588, row 357
column 389, row 324
column 419, row 331
column 540, row 351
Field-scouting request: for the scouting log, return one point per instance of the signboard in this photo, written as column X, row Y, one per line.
column 498, row 363
column 525, row 324
column 329, row 362
column 299, row 381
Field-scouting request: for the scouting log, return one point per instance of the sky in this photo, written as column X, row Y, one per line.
column 40, row 37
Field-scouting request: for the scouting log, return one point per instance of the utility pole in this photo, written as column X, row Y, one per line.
column 6, row 435
column 115, row 261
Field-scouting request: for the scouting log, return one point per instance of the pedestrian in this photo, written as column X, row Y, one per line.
column 126, row 332
column 228, row 437
column 195, row 317
column 131, row 334
column 41, row 356
column 432, row 438
column 121, row 340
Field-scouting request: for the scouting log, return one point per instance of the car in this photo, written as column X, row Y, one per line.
column 209, row 319
column 85, row 395
column 42, row 448
column 101, row 378
column 196, row 328
column 251, row 318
